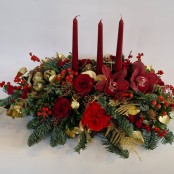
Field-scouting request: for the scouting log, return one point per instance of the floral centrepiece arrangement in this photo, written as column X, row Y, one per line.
column 126, row 103
column 130, row 107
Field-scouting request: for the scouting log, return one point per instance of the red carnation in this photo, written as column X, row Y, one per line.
column 61, row 108
column 83, row 84
column 95, row 117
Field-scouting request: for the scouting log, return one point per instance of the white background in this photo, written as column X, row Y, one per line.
column 45, row 27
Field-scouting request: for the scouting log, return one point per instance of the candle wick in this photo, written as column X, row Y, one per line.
column 101, row 20
column 77, row 16
column 121, row 16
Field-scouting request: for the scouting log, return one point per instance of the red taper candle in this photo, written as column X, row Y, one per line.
column 75, row 45
column 118, row 60
column 100, row 48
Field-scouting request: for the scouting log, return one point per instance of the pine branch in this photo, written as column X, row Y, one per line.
column 40, row 133
column 118, row 150
column 151, row 140
column 51, row 65
column 103, row 101
column 58, row 137
column 9, row 100
column 34, row 123
column 169, row 138
column 81, row 144
column 125, row 125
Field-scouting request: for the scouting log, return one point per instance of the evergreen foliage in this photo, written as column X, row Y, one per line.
column 40, row 132
column 124, row 124
column 9, row 100
column 82, row 143
column 151, row 140
column 58, row 137
column 34, row 123
column 169, row 138
column 118, row 150
column 51, row 65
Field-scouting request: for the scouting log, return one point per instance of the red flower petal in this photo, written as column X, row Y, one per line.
column 122, row 85
column 119, row 75
column 106, row 71
column 100, row 85
column 140, row 67
column 152, row 78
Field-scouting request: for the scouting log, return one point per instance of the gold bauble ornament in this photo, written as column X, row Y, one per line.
column 48, row 74
column 52, row 79
column 75, row 104
column 15, row 111
column 164, row 119
column 100, row 77
column 92, row 74
column 37, row 77
column 39, row 85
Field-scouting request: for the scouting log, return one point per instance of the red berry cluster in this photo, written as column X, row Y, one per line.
column 139, row 56
column 161, row 133
column 2, row 84
column 160, row 72
column 66, row 76
column 128, row 94
column 17, row 79
column 44, row 112
column 170, row 87
column 161, row 102
column 138, row 121
column 34, row 58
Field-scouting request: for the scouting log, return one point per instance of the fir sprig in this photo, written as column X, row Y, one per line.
column 168, row 138
column 82, row 143
column 34, row 123
column 124, row 124
column 58, row 137
column 40, row 132
column 118, row 150
column 9, row 100
column 151, row 139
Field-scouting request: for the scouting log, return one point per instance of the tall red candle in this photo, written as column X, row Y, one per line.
column 118, row 60
column 100, row 48
column 75, row 45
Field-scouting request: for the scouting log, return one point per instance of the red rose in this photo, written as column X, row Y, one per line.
column 95, row 117
column 61, row 108
column 83, row 84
